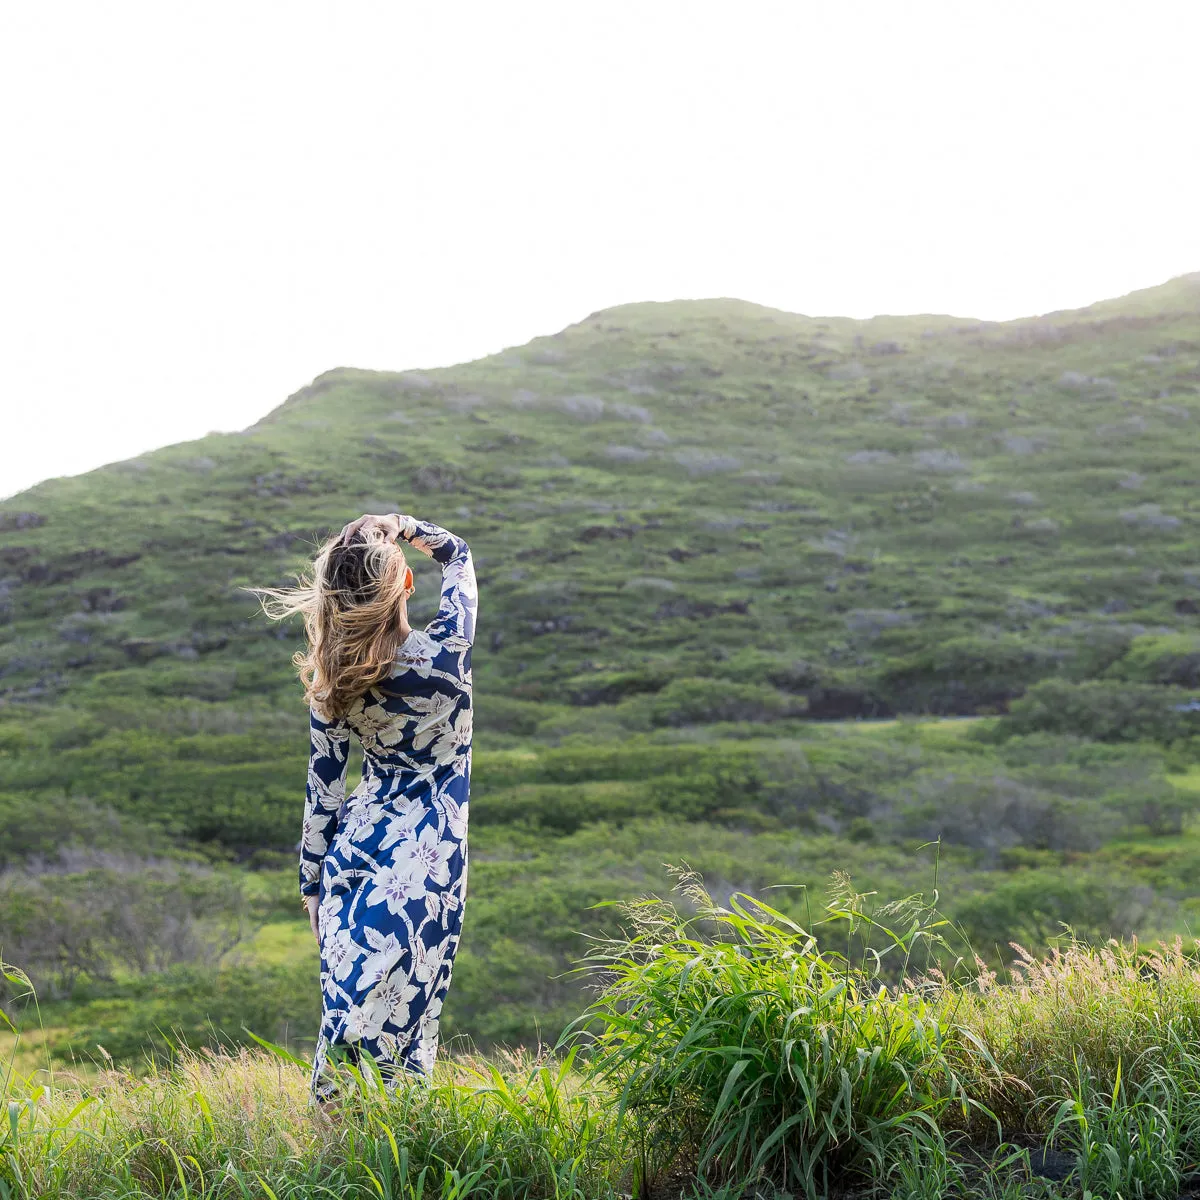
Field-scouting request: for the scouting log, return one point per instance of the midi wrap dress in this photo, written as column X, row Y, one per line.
column 389, row 861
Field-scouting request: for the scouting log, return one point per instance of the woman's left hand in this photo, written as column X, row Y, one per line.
column 389, row 523
column 311, row 903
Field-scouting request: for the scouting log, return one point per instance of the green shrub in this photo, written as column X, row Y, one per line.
column 559, row 809
column 846, row 696
column 611, row 687
column 191, row 1005
column 704, row 701
column 965, row 675
column 991, row 810
column 1104, row 710
column 1172, row 658
column 118, row 914
column 504, row 714
column 43, row 824
column 1037, row 906
column 1156, row 806
column 795, row 675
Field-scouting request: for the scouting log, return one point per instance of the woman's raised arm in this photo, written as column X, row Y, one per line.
column 455, row 618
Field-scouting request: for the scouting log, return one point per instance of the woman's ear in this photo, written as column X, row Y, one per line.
column 408, row 579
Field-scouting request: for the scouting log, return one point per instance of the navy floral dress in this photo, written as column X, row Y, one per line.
column 389, row 861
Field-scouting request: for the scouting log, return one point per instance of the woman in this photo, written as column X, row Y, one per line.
column 383, row 871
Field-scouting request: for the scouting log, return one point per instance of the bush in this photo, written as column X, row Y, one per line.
column 504, row 714
column 109, row 913
column 993, row 811
column 1037, row 906
column 966, row 675
column 703, row 701
column 847, row 700
column 44, row 824
column 1104, row 710
column 611, row 687
column 1156, row 806
column 793, row 675
column 557, row 809
column 195, row 1006
column 1164, row 658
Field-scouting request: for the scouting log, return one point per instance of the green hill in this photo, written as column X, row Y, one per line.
column 701, row 528
column 702, row 488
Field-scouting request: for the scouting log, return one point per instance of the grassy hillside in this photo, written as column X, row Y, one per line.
column 708, row 535
column 664, row 488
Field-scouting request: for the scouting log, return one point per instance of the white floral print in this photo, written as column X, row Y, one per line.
column 341, row 954
column 417, row 653
column 427, row 960
column 430, row 853
column 312, row 835
column 455, row 738
column 455, row 814
column 386, row 950
column 388, row 1003
column 436, row 714
column 397, row 886
column 358, row 822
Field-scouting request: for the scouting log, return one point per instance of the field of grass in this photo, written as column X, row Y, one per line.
column 1035, row 832
column 777, row 598
column 729, row 1052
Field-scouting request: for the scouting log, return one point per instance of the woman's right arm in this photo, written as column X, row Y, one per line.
column 460, row 595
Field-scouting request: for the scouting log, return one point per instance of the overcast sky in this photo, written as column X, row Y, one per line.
column 205, row 205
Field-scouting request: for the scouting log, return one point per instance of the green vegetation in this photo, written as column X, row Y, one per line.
column 768, row 595
column 731, row 1052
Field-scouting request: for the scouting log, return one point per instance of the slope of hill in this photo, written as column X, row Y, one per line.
column 700, row 488
column 699, row 526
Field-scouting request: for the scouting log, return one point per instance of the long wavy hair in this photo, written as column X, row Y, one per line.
column 352, row 600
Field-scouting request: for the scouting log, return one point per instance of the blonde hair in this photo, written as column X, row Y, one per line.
column 352, row 601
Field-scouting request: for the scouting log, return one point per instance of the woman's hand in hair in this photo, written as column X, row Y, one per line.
column 389, row 523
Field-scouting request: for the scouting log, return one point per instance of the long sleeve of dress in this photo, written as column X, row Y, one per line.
column 329, row 746
column 455, row 620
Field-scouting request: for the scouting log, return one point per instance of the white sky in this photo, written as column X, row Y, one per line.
column 205, row 205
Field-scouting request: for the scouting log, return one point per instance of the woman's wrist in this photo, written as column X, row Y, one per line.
column 405, row 525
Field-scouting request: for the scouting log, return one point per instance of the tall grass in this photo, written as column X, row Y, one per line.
column 739, row 1034
column 847, row 1054
column 1111, row 1011
column 240, row 1125
column 729, row 1052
